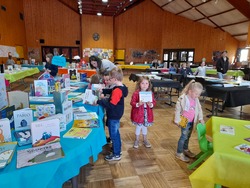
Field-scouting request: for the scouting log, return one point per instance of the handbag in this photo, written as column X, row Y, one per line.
column 184, row 121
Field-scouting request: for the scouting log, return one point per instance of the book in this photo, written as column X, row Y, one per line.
column 226, row 129
column 66, row 80
column 41, row 87
column 3, row 94
column 82, row 123
column 62, row 120
column 78, row 133
column 45, row 110
column 145, row 96
column 45, row 131
column 247, row 139
column 5, row 132
column 67, row 111
column 247, row 126
column 48, row 99
column 23, row 137
column 7, row 112
column 86, row 115
column 7, row 150
column 244, row 148
column 72, row 74
column 79, row 109
column 59, row 97
column 23, row 119
column 89, row 97
column 41, row 154
column 18, row 98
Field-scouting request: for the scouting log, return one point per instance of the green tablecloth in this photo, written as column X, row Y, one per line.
column 235, row 73
column 21, row 74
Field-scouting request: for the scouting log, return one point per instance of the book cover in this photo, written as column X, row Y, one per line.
column 247, row 126
column 226, row 129
column 247, row 139
column 86, row 115
column 7, row 150
column 145, row 96
column 67, row 111
column 66, row 80
column 78, row 133
column 82, row 123
column 40, row 99
column 41, row 154
column 89, row 97
column 59, row 97
column 79, row 109
column 45, row 110
column 22, row 119
column 18, row 98
column 5, row 132
column 243, row 148
column 3, row 94
column 45, row 132
column 62, row 120
column 72, row 74
column 41, row 87
column 23, row 137
column 7, row 112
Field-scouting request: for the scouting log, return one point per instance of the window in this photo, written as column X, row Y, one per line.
column 243, row 55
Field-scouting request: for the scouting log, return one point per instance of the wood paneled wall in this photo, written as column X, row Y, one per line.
column 12, row 28
column 95, row 24
column 52, row 21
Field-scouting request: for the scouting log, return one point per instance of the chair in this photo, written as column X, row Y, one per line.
column 206, row 147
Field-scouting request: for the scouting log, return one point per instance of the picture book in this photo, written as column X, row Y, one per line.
column 5, row 132
column 59, row 97
column 79, row 109
column 78, row 133
column 247, row 139
column 7, row 112
column 41, row 87
column 45, row 132
column 89, row 97
column 41, row 154
column 45, row 110
column 82, row 123
column 226, row 129
column 3, row 94
column 247, row 126
column 23, row 119
column 23, row 137
column 67, row 111
column 7, row 150
column 145, row 96
column 66, row 80
column 86, row 115
column 72, row 74
column 18, row 98
column 48, row 99
column 244, row 148
column 75, row 99
column 10, row 68
column 62, row 120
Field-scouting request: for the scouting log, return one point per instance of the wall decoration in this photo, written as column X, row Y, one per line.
column 99, row 52
column 4, row 50
column 142, row 55
column 34, row 53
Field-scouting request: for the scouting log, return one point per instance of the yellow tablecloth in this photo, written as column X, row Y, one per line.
column 227, row 166
column 235, row 73
column 139, row 67
column 21, row 74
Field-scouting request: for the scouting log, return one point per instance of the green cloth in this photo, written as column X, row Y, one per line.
column 21, row 74
column 235, row 73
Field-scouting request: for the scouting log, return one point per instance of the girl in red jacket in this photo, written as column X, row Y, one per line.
column 142, row 103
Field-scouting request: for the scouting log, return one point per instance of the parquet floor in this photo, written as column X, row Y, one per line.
column 154, row 167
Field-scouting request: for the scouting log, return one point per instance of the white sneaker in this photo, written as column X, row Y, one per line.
column 182, row 157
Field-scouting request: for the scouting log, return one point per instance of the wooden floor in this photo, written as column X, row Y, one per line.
column 155, row 167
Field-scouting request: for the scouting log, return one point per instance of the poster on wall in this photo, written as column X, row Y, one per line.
column 102, row 53
column 143, row 55
column 34, row 53
column 4, row 50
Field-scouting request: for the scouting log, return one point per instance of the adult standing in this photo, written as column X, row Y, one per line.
column 222, row 65
column 101, row 65
column 10, row 61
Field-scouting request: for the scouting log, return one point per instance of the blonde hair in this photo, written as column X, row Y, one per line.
column 50, row 56
column 95, row 79
column 140, row 81
column 192, row 85
column 116, row 73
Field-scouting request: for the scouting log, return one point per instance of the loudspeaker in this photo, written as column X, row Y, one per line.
column 78, row 42
column 42, row 41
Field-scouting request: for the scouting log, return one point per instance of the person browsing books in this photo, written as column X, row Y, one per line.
column 49, row 67
column 188, row 110
column 114, row 106
column 100, row 65
column 10, row 61
column 184, row 71
column 142, row 112
column 222, row 65
column 201, row 70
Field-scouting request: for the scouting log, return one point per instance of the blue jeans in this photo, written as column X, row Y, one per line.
column 184, row 139
column 220, row 75
column 114, row 125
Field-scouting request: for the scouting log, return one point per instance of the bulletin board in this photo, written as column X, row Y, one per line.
column 4, row 50
column 120, row 55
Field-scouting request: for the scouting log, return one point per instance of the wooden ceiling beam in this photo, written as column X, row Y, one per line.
column 242, row 5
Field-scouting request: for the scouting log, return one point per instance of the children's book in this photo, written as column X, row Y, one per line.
column 23, row 119
column 66, row 80
column 79, row 109
column 7, row 112
column 7, row 150
column 244, row 148
column 67, row 111
column 41, row 87
column 89, row 97
column 78, row 133
column 45, row 110
column 72, row 74
column 82, row 123
column 5, row 132
column 59, row 97
column 86, row 115
column 145, row 96
column 45, row 132
column 247, row 139
column 23, row 137
column 247, row 126
column 41, row 154
column 62, row 120
column 3, row 94
column 18, row 98
column 41, row 99
column 226, row 129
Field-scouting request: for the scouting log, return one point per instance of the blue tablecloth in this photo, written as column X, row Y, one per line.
column 40, row 67
column 55, row 173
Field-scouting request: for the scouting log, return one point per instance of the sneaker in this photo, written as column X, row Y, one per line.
column 113, row 157
column 147, row 144
column 189, row 153
column 182, row 157
column 136, row 144
column 109, row 141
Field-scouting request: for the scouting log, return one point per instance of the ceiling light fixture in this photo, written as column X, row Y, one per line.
column 104, row 1
column 99, row 14
column 80, row 6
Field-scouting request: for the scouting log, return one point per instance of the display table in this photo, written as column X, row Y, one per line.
column 20, row 74
column 234, row 73
column 55, row 173
column 137, row 67
column 227, row 166
column 40, row 67
column 89, row 72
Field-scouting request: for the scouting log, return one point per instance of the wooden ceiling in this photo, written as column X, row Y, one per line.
column 231, row 16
